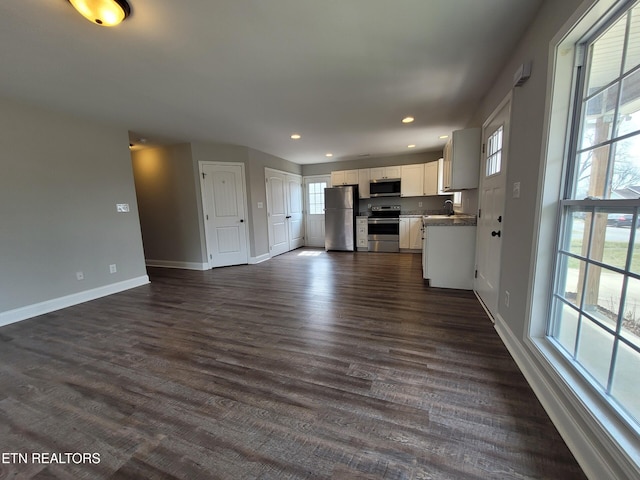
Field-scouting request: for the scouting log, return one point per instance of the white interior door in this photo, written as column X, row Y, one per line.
column 277, row 212
column 493, row 179
column 295, row 211
column 285, row 212
column 225, row 214
column 314, row 217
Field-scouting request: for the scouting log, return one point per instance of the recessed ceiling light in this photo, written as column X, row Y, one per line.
column 411, row 146
column 103, row 12
column 408, row 119
column 328, row 154
column 296, row 136
column 442, row 137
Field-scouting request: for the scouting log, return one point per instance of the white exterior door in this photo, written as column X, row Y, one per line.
column 285, row 217
column 314, row 201
column 224, row 213
column 493, row 178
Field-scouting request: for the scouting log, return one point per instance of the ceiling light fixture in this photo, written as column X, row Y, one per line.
column 296, row 136
column 442, row 137
column 107, row 13
column 411, row 146
column 328, row 155
column 408, row 119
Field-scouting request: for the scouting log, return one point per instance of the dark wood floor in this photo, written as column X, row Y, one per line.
column 310, row 365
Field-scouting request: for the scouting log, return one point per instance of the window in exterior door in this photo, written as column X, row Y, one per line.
column 316, row 198
column 494, row 153
column 595, row 316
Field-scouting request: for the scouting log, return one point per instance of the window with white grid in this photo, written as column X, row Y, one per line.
column 595, row 311
column 316, row 197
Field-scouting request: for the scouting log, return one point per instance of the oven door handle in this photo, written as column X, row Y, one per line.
column 384, row 220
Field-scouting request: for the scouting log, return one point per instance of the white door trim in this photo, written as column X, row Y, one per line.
column 506, row 147
column 201, row 165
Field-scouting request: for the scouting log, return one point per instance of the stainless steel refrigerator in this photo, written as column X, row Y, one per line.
column 340, row 204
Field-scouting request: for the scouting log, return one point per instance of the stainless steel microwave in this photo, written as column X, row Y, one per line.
column 386, row 187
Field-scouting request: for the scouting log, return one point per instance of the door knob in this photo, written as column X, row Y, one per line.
column 495, row 234
column 288, row 216
column 242, row 220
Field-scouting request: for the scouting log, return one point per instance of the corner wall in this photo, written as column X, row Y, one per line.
column 574, row 415
column 168, row 202
column 61, row 180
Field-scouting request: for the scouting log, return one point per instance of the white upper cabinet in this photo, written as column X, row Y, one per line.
column 441, row 178
column 462, row 160
column 430, row 182
column 344, row 177
column 381, row 173
column 412, row 180
column 416, row 180
column 364, row 177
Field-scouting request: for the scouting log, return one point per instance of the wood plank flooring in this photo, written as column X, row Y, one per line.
column 312, row 365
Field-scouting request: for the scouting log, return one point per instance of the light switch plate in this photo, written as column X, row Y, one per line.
column 260, row 205
column 516, row 189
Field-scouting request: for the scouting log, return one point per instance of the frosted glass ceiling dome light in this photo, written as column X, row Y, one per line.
column 103, row 12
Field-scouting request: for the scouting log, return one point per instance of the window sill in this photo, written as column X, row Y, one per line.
column 585, row 420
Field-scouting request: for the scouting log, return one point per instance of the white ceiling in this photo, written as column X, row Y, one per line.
column 342, row 73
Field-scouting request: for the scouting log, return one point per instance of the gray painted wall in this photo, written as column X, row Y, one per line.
column 525, row 153
column 61, row 180
column 169, row 190
column 167, row 199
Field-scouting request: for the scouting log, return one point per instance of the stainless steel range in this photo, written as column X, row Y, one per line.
column 384, row 229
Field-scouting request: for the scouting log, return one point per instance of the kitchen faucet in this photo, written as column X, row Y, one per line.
column 448, row 205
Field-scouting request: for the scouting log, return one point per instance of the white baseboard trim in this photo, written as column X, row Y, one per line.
column 172, row 264
column 259, row 259
column 572, row 427
column 30, row 311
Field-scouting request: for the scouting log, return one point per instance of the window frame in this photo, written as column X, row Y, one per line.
column 577, row 123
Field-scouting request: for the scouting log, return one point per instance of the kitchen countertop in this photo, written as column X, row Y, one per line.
column 457, row 220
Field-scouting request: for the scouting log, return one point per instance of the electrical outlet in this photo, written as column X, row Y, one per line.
column 506, row 298
column 112, row 268
column 260, row 205
column 419, row 204
column 368, row 205
column 80, row 275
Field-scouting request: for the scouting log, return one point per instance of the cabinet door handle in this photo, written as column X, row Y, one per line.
column 495, row 234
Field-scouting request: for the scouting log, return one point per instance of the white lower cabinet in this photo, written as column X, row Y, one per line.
column 448, row 256
column 411, row 233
